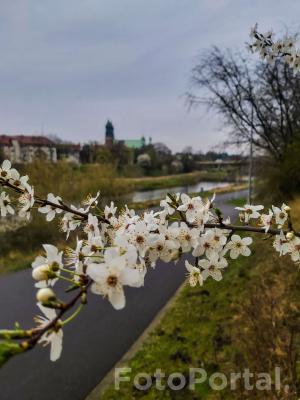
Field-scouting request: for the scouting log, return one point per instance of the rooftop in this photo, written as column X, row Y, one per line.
column 26, row 140
column 135, row 143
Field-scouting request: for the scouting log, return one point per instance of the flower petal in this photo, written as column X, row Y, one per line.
column 117, row 299
column 131, row 277
column 98, row 272
column 56, row 345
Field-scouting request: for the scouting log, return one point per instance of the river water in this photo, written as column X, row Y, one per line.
column 156, row 194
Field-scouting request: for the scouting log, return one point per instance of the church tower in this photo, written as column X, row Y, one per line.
column 109, row 134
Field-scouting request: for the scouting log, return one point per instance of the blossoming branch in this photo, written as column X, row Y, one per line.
column 270, row 50
column 115, row 248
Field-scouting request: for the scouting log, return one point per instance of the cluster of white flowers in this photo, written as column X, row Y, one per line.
column 10, row 176
column 269, row 49
column 276, row 219
column 118, row 246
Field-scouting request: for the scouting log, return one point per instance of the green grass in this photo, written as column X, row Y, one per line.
column 187, row 334
column 240, row 202
column 16, row 261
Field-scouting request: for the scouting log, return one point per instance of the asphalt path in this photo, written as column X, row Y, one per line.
column 93, row 342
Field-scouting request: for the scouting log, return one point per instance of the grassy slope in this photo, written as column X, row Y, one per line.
column 186, row 334
column 240, row 202
column 201, row 329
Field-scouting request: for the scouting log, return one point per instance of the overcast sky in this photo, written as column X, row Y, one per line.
column 66, row 66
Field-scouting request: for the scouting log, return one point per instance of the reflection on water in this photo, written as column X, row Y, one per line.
column 161, row 193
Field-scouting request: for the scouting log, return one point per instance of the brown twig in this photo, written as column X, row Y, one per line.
column 44, row 202
column 248, row 228
column 37, row 333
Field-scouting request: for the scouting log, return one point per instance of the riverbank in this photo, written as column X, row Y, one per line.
column 166, row 181
column 245, row 321
column 209, row 193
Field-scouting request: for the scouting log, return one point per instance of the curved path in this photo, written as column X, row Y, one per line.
column 93, row 343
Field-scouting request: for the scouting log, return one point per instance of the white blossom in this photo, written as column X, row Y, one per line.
column 110, row 276
column 167, row 205
column 212, row 266
column 160, row 247
column 281, row 215
column 51, row 210
column 19, row 181
column 151, row 220
column 91, row 201
column 109, row 212
column 253, row 31
column 76, row 257
column 201, row 217
column 5, row 170
column 71, row 221
column 266, row 220
column 5, row 205
column 194, row 274
column 168, row 208
column 92, row 226
column 212, row 240
column 138, row 235
column 280, row 244
column 294, row 249
column 269, row 49
column 250, row 212
column 27, row 201
column 54, row 337
column 92, row 246
column 188, row 237
column 52, row 262
column 190, row 206
column 238, row 246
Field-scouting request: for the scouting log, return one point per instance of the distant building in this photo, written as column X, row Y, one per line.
column 69, row 152
column 109, row 134
column 130, row 143
column 22, row 149
column 135, row 143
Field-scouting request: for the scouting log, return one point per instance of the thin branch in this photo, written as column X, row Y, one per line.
column 44, row 202
column 247, row 228
column 39, row 332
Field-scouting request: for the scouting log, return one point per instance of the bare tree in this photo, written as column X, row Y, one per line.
column 261, row 97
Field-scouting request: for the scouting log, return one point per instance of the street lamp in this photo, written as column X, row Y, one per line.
column 250, row 161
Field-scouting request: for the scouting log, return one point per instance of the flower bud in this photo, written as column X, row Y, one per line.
column 41, row 273
column 83, row 298
column 287, row 209
column 290, row 235
column 45, row 294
